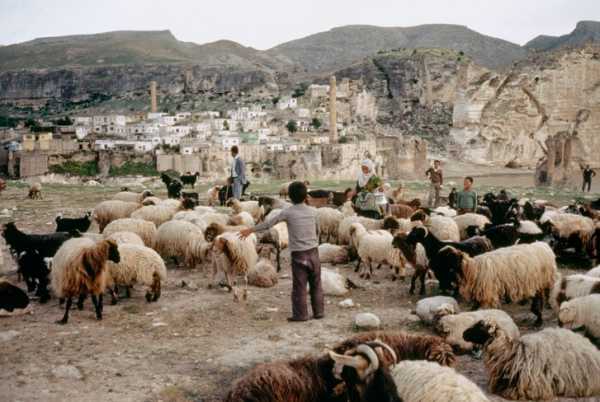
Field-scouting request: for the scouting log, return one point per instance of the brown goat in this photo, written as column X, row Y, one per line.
column 401, row 211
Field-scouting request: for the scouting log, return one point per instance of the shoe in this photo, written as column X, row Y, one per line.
column 319, row 317
column 294, row 319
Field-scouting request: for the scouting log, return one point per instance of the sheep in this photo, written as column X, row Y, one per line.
column 79, row 267
column 201, row 209
column 181, row 239
column 205, row 220
column 13, row 300
column 151, row 201
column 213, row 195
column 35, row 191
column 125, row 238
column 138, row 264
column 145, row 229
column 470, row 219
column 595, row 272
column 263, row 274
column 581, row 313
column 504, row 235
column 45, row 244
column 445, row 211
column 108, row 211
column 405, row 345
column 306, row 379
column 34, row 270
column 572, row 286
column 373, row 246
column 344, row 227
column 157, row 214
column 130, row 196
column 428, row 307
column 516, row 273
column 334, row 254
column 395, row 226
column 72, row 224
column 269, row 204
column 347, row 209
column 233, row 256
column 570, row 230
column 189, row 179
column 401, row 211
column 422, row 381
column 445, row 229
column 333, row 283
column 242, row 219
column 278, row 236
column 252, row 207
column 214, row 229
column 329, row 222
column 552, row 363
column 416, row 256
column 452, row 326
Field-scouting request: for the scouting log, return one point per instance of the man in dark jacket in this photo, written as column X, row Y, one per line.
column 238, row 173
column 588, row 173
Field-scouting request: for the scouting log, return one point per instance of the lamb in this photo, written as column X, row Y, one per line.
column 35, row 191
column 242, row 219
column 74, row 224
column 334, row 254
column 470, row 219
column 13, row 300
column 428, row 308
column 405, row 345
column 263, row 274
column 416, row 256
column 138, row 264
column 234, row 256
column 452, row 326
column 552, row 363
column 516, row 273
column 572, row 286
column 145, row 229
column 252, row 207
column 79, row 267
column 125, row 238
column 344, row 227
column 45, row 244
column 181, row 239
column 34, row 270
column 581, row 313
column 130, row 196
column 108, row 211
column 329, row 222
column 347, row 209
column 374, row 246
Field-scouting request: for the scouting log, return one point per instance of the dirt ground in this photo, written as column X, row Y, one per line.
column 190, row 345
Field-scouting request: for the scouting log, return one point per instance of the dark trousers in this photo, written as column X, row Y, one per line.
column 588, row 184
column 306, row 268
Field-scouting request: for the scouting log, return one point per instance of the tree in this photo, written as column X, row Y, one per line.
column 292, row 126
column 225, row 125
column 275, row 100
column 300, row 90
column 64, row 121
column 316, row 123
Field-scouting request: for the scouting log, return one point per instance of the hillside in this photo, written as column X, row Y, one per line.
column 584, row 32
column 341, row 46
column 128, row 47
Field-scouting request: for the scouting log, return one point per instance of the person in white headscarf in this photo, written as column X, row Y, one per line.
column 367, row 179
column 365, row 201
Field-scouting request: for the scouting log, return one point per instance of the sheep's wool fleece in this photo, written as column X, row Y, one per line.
column 333, row 283
column 125, row 238
column 543, row 365
column 566, row 224
column 582, row 312
column 595, row 272
column 145, row 229
column 470, row 219
column 423, row 381
column 443, row 228
column 427, row 307
column 137, row 265
column 573, row 286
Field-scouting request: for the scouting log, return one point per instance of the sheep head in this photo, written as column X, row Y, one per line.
column 147, row 193
column 357, row 363
column 481, row 332
column 567, row 316
column 213, row 231
column 417, row 235
column 113, row 251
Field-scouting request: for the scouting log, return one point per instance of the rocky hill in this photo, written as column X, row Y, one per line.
column 341, row 46
column 584, row 32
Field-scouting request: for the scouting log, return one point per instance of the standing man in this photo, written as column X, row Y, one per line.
column 238, row 173
column 588, row 173
column 437, row 179
column 466, row 200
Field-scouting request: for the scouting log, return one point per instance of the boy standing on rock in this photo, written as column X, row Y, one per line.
column 303, row 228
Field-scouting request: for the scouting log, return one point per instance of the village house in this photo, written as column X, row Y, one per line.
column 287, row 103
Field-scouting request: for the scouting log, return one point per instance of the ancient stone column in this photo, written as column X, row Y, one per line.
column 333, row 134
column 153, row 104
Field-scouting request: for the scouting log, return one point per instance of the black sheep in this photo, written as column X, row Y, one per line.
column 533, row 212
column 35, row 272
column 189, row 179
column 174, row 188
column 503, row 235
column 45, row 244
column 12, row 297
column 72, row 224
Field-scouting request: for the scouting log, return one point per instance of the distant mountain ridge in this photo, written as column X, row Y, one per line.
column 585, row 31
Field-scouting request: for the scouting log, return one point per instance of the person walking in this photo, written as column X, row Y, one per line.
column 238, row 173
column 466, row 200
column 588, row 173
column 303, row 228
column 436, row 178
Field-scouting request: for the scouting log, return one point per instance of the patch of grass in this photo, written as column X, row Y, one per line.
column 76, row 168
column 133, row 169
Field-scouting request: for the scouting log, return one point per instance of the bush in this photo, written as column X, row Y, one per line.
column 133, row 169
column 292, row 126
column 316, row 123
column 76, row 168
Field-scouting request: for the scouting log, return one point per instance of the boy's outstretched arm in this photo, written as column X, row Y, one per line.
column 263, row 226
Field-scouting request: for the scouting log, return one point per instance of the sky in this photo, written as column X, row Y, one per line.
column 263, row 24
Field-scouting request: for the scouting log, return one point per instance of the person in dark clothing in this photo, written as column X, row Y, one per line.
column 303, row 228
column 452, row 198
column 588, row 173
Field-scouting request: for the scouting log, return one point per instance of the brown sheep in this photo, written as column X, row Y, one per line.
column 401, row 211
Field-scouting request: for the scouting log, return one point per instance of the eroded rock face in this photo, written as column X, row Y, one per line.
column 508, row 117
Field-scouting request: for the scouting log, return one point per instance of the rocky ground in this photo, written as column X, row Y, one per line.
column 190, row 345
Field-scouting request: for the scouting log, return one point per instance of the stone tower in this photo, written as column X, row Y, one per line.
column 333, row 134
column 153, row 104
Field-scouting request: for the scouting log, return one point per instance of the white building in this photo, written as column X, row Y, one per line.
column 303, row 112
column 275, row 146
column 81, row 132
column 82, row 121
column 228, row 142
column 287, row 103
column 110, row 124
column 318, row 91
column 155, row 116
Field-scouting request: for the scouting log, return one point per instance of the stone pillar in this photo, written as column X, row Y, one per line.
column 333, row 134
column 153, row 104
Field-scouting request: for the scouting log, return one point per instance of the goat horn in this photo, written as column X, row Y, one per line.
column 371, row 356
column 387, row 347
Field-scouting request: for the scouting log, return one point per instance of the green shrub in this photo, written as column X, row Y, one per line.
column 133, row 169
column 76, row 168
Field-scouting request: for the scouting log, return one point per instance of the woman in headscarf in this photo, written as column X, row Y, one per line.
column 365, row 201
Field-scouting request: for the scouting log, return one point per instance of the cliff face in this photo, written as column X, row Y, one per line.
column 505, row 117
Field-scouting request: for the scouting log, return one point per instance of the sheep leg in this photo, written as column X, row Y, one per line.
column 537, row 306
column 358, row 265
column 97, row 306
column 413, row 280
column 278, row 253
column 65, row 318
column 80, row 301
column 128, row 292
column 114, row 295
column 422, row 275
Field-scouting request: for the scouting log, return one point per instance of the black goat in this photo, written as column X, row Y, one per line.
column 191, row 196
column 503, row 211
column 45, row 244
column 71, row 224
column 189, row 179
column 472, row 246
column 12, row 297
column 174, row 188
column 533, row 212
column 35, row 272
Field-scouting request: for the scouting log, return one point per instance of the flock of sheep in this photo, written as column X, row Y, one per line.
column 505, row 252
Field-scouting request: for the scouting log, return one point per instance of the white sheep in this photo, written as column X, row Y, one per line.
column 145, row 229
column 333, row 283
column 205, row 220
column 213, row 195
column 108, row 211
column 125, row 238
column 452, row 326
column 429, row 307
column 566, row 225
column 334, row 254
column 138, row 264
column 329, row 222
column 157, row 214
column 130, row 196
column 374, row 246
column 263, row 274
column 344, row 227
column 572, row 286
column 470, row 219
column 242, row 219
column 424, row 381
column 445, row 211
column 201, row 209
column 252, row 207
column 581, row 313
column 347, row 209
column 180, row 238
column 595, row 272
column 443, row 228
column 152, row 200
column 529, row 228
